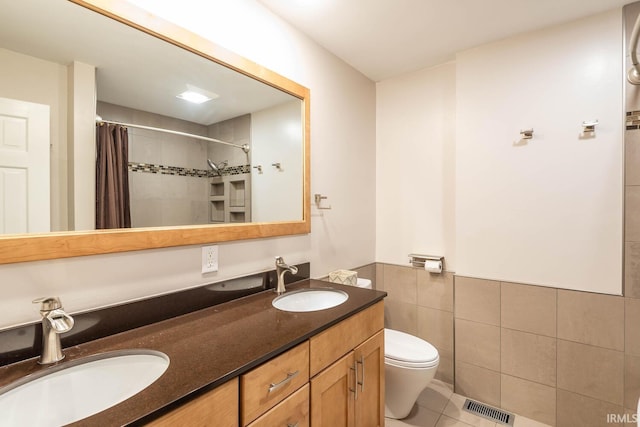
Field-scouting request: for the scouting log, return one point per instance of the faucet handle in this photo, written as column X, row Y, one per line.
column 48, row 303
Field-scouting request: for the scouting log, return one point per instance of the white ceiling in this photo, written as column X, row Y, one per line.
column 386, row 38
column 134, row 69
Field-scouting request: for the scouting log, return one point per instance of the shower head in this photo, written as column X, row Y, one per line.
column 213, row 167
column 219, row 167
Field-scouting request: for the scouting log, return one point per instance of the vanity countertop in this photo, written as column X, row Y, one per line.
column 208, row 347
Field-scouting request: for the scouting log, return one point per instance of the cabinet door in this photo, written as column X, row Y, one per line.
column 369, row 357
column 217, row 408
column 332, row 395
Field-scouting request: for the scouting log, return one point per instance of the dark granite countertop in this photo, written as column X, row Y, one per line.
column 207, row 348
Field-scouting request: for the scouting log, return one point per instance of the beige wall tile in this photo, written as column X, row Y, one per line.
column 528, row 356
column 435, row 290
column 630, row 417
column 436, row 327
column 530, row 399
column 574, row 410
column 401, row 316
column 591, row 319
column 591, row 371
column 632, row 326
column 477, row 300
column 379, row 277
column 400, row 283
column 632, row 213
column 528, row 308
column 367, row 272
column 477, row 383
column 477, row 344
column 632, row 269
column 632, row 158
column 631, row 381
column 445, row 370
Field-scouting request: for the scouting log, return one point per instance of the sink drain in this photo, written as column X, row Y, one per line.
column 488, row 412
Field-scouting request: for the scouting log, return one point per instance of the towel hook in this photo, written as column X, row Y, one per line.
column 589, row 126
column 527, row 133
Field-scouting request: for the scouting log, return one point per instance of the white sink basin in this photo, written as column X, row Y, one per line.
column 310, row 299
column 80, row 388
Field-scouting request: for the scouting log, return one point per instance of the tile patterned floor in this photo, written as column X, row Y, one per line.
column 439, row 406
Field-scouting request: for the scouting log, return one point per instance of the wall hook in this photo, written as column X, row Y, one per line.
column 589, row 126
column 277, row 166
column 318, row 199
column 527, row 133
column 259, row 167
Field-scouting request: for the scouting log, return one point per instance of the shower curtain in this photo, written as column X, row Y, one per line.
column 112, row 177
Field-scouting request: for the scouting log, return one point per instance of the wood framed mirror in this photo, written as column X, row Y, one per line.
column 82, row 240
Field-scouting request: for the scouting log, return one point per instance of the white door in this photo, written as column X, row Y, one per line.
column 24, row 167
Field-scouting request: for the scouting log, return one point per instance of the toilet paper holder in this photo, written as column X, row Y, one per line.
column 419, row 260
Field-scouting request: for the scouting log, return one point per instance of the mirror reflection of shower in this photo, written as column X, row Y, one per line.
column 217, row 168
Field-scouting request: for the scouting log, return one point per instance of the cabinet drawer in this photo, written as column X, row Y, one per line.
column 217, row 408
column 328, row 346
column 293, row 411
column 268, row 384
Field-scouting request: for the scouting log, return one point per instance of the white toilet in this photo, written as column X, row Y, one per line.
column 409, row 365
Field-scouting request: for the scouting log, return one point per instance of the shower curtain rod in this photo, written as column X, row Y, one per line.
column 244, row 147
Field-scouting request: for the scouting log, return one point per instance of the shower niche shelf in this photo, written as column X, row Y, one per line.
column 230, row 199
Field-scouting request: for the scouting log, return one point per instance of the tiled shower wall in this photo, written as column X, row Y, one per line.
column 565, row 358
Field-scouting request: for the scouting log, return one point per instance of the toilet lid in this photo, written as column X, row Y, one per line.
column 407, row 348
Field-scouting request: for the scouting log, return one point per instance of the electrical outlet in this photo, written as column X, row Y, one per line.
column 209, row 259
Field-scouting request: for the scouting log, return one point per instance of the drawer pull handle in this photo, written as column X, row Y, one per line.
column 361, row 383
column 290, row 375
column 292, row 425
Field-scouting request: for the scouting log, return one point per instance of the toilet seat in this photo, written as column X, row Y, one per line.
column 404, row 350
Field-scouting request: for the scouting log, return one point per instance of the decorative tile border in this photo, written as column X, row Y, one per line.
column 197, row 173
column 633, row 120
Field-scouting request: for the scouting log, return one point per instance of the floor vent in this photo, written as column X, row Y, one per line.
column 488, row 412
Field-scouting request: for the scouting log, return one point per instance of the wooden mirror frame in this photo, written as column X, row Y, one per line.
column 32, row 247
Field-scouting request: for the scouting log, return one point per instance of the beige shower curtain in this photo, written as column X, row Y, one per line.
column 112, row 177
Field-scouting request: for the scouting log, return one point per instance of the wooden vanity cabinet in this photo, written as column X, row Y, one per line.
column 350, row 391
column 292, row 411
column 332, row 403
column 270, row 383
column 216, row 408
column 334, row 379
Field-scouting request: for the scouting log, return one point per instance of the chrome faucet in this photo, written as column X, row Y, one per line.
column 54, row 322
column 281, row 269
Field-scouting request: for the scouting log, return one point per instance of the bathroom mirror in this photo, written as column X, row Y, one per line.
column 136, row 64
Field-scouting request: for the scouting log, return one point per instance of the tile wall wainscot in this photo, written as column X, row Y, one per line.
column 418, row 303
column 564, row 358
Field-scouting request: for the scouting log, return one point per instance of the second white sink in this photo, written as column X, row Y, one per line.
column 75, row 390
column 313, row 299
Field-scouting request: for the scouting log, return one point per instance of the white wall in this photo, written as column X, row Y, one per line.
column 35, row 80
column 82, row 146
column 343, row 162
column 277, row 194
column 549, row 211
column 415, row 146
